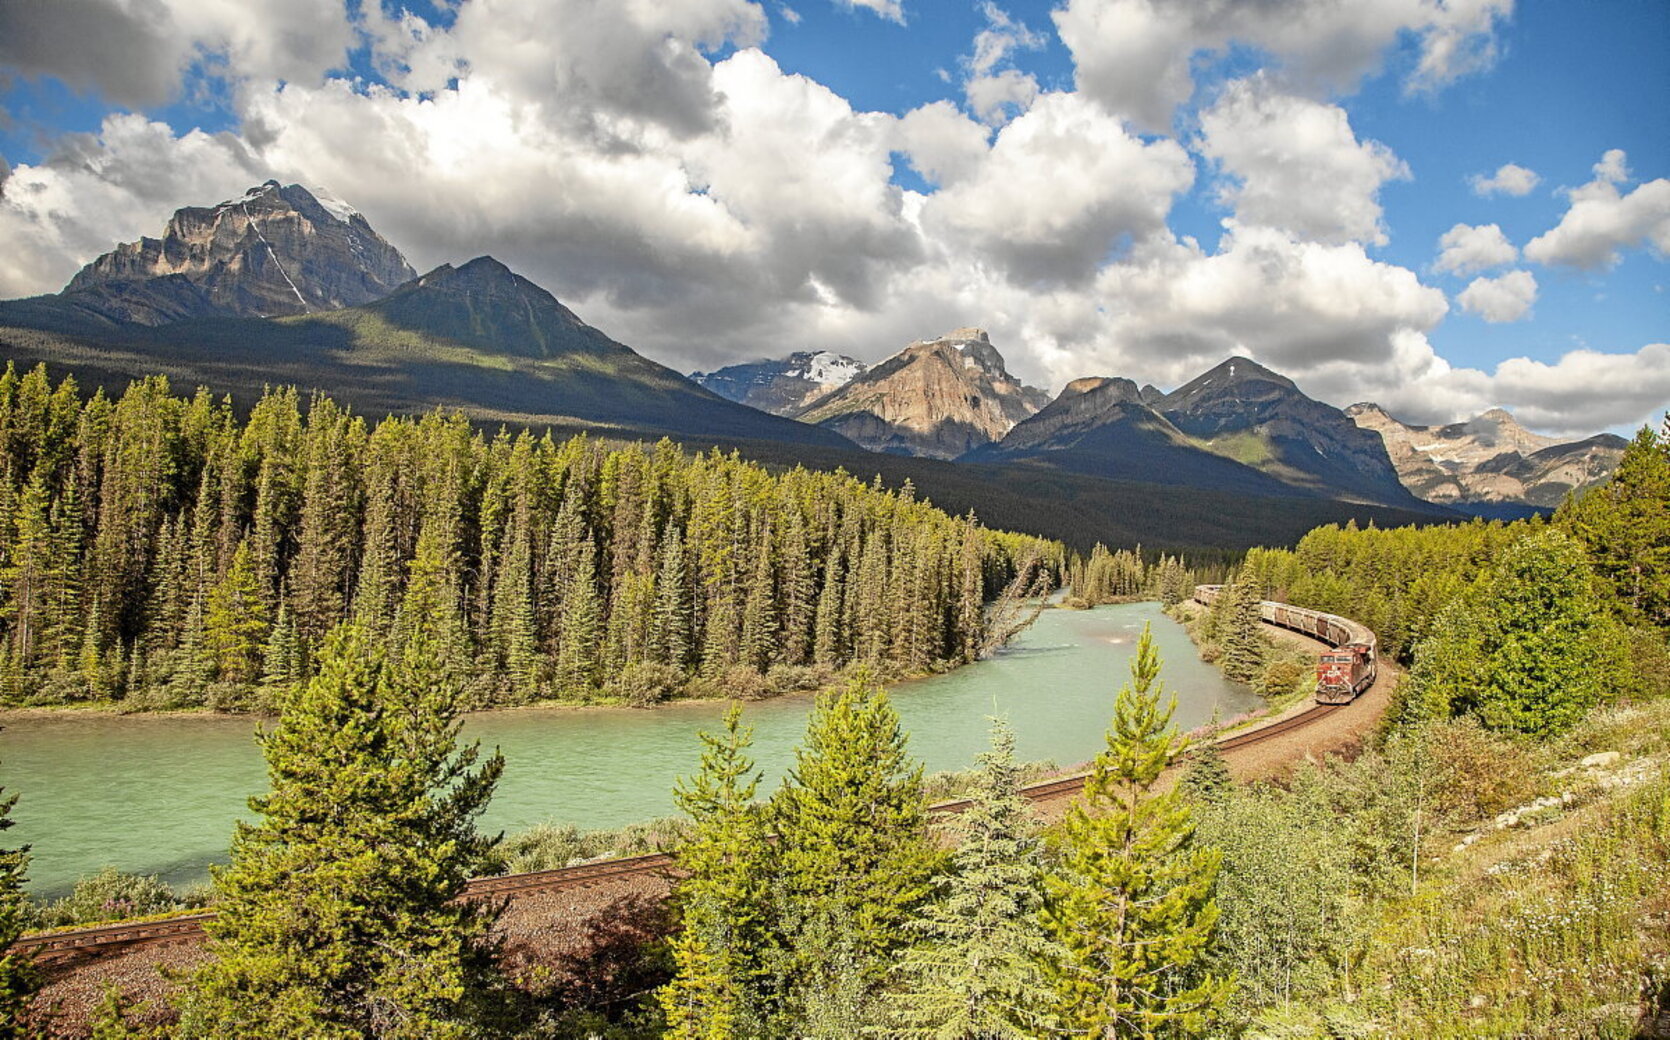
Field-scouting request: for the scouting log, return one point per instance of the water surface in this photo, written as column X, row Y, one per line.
column 159, row 795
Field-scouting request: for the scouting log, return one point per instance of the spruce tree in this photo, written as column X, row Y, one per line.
column 721, row 901
column 1208, row 778
column 1625, row 525
column 1547, row 649
column 18, row 978
column 339, row 915
column 235, row 629
column 976, row 970
column 1130, row 902
column 1238, row 632
column 854, row 859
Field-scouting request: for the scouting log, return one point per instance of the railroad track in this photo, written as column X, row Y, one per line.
column 109, row 940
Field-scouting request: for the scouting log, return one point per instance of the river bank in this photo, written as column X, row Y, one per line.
column 158, row 795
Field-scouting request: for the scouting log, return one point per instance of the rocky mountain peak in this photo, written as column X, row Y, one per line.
column 937, row 397
column 275, row 250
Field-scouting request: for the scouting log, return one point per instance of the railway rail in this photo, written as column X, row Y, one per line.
column 113, row 939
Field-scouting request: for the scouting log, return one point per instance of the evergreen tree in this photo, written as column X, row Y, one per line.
column 721, row 901
column 235, row 629
column 1238, row 632
column 1531, row 649
column 854, row 859
column 18, row 977
column 1130, row 902
column 1625, row 525
column 339, row 915
column 976, row 972
column 1208, row 778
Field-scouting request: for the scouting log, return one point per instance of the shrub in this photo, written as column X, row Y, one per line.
column 646, row 684
column 111, row 895
column 1280, row 678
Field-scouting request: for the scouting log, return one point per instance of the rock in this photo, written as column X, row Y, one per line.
column 937, row 398
column 1490, row 460
column 1601, row 760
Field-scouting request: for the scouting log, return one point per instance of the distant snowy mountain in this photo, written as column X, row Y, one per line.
column 784, row 386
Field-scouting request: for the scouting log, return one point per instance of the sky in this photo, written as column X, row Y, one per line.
column 1439, row 205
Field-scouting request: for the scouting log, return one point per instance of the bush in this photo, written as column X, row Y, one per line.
column 1476, row 774
column 736, row 683
column 1280, row 678
column 550, row 846
column 646, row 684
column 111, row 895
column 791, row 678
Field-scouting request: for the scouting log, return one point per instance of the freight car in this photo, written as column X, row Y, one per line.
column 1341, row 673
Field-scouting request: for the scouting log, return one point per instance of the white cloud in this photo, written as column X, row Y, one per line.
column 1296, row 164
column 1063, row 185
column 1499, row 300
column 1613, row 167
column 703, row 211
column 1586, row 390
column 1134, row 56
column 1509, row 179
column 941, row 143
column 996, row 92
column 995, row 97
column 1464, row 249
column 135, row 52
column 1601, row 220
column 892, row 10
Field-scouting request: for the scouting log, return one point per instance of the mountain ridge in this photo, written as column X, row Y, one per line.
column 1490, row 461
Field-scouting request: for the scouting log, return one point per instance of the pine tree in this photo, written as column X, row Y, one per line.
column 1533, row 649
column 1208, row 778
column 339, row 915
column 235, row 629
column 1239, row 634
column 976, row 972
column 721, row 901
column 1625, row 525
column 670, row 617
column 1131, row 900
column 18, row 977
column 853, row 853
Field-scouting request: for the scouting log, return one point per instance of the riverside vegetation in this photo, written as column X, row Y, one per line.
column 1491, row 865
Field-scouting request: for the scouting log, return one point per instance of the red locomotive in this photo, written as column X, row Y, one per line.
column 1341, row 673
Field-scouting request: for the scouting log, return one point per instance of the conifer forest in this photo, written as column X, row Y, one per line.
column 165, row 551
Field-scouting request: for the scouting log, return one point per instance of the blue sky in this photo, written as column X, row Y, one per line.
column 1110, row 186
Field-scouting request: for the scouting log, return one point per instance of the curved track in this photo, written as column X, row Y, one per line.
column 108, row 940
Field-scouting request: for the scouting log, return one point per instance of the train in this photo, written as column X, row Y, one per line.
column 1341, row 673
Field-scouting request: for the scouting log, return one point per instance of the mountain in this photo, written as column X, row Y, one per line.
column 1490, row 461
column 478, row 338
column 1245, row 412
column 1102, row 427
column 937, row 398
column 277, row 250
column 784, row 386
column 1239, row 428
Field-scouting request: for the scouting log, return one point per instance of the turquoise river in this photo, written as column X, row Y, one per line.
column 157, row 795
